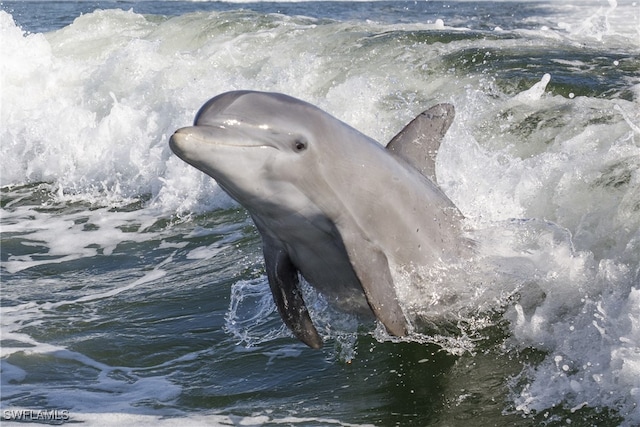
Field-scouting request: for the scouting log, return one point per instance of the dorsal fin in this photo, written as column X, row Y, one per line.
column 418, row 143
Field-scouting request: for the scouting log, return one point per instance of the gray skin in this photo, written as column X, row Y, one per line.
column 330, row 203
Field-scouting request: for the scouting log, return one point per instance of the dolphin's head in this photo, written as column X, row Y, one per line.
column 255, row 145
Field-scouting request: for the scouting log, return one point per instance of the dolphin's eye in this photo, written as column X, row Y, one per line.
column 299, row 145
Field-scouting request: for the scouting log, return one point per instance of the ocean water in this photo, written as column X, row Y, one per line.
column 133, row 289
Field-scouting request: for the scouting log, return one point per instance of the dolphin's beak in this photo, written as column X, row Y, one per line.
column 188, row 141
column 193, row 138
column 180, row 141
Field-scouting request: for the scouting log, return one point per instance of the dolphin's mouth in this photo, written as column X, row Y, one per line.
column 216, row 135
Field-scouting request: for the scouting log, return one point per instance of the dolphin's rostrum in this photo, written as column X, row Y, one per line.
column 330, row 203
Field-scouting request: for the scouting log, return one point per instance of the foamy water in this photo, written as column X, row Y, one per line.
column 127, row 271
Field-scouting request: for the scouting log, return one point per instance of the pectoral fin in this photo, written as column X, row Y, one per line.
column 284, row 283
column 372, row 268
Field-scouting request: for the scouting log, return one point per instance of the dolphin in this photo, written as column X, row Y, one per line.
column 330, row 203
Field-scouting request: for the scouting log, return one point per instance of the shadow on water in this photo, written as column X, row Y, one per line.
column 409, row 378
column 386, row 384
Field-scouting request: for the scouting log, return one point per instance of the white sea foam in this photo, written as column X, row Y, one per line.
column 109, row 388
